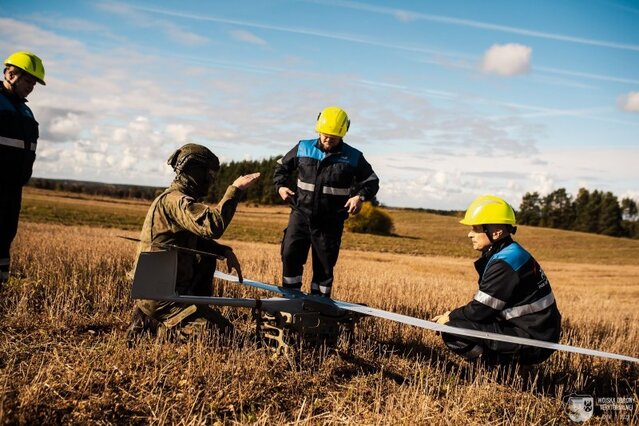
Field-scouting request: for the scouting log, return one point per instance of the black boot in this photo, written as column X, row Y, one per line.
column 140, row 324
column 4, row 271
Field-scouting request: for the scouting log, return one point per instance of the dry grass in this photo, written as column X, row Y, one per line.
column 63, row 358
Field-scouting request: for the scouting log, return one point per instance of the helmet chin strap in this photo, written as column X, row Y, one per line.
column 512, row 230
column 488, row 233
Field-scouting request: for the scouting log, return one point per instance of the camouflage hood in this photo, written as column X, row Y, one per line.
column 194, row 166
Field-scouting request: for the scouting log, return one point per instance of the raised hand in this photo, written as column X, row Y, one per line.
column 245, row 181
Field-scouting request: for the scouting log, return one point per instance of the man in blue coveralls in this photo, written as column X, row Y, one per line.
column 514, row 296
column 333, row 180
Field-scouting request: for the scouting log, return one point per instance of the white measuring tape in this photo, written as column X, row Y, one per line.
column 430, row 325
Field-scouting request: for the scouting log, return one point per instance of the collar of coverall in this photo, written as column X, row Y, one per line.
column 337, row 149
column 11, row 94
column 497, row 246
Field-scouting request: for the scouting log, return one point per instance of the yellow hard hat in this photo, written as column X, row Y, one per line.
column 332, row 121
column 29, row 63
column 488, row 209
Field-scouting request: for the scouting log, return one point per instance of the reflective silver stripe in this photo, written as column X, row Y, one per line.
column 336, row 191
column 531, row 308
column 489, row 300
column 373, row 176
column 325, row 286
column 15, row 143
column 325, row 289
column 292, row 280
column 305, row 186
column 4, row 262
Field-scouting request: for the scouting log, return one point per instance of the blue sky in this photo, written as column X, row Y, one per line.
column 448, row 100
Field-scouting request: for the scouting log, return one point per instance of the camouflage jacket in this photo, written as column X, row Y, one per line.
column 176, row 218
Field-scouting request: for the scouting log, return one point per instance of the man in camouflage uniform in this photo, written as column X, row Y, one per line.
column 177, row 218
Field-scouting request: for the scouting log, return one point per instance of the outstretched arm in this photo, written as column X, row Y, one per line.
column 203, row 220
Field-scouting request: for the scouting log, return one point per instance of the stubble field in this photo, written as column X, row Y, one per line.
column 64, row 357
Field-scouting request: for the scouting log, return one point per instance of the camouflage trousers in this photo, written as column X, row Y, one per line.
column 179, row 319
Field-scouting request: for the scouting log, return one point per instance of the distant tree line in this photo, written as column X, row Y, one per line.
column 596, row 212
column 97, row 188
column 455, row 213
column 261, row 192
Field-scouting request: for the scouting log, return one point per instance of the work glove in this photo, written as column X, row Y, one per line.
column 233, row 263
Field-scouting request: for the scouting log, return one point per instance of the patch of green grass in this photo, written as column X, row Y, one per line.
column 74, row 214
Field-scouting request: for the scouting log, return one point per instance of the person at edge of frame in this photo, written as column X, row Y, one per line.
column 18, row 142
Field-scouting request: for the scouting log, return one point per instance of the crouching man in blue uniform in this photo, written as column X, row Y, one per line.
column 514, row 296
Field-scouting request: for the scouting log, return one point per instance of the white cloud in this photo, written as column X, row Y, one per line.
column 507, row 59
column 131, row 120
column 248, row 37
column 297, row 30
column 16, row 33
column 541, row 182
column 68, row 125
column 180, row 133
column 405, row 16
column 453, row 181
column 120, row 135
column 629, row 102
column 173, row 31
column 49, row 153
column 440, row 178
column 484, row 25
column 444, row 58
column 70, row 24
column 185, row 37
